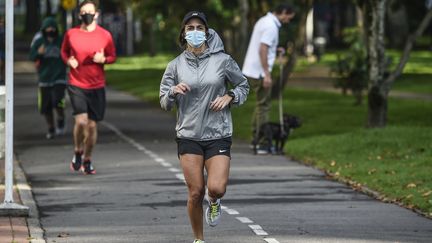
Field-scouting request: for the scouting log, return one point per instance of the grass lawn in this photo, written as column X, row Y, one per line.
column 396, row 161
column 416, row 77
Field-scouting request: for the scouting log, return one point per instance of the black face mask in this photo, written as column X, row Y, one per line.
column 87, row 18
column 52, row 34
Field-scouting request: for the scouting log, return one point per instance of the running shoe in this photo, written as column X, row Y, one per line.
column 60, row 131
column 76, row 161
column 50, row 134
column 213, row 212
column 199, row 241
column 87, row 168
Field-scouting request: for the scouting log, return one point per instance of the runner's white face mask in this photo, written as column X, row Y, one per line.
column 195, row 38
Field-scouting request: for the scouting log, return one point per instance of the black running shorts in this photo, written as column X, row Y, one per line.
column 90, row 101
column 207, row 149
column 50, row 98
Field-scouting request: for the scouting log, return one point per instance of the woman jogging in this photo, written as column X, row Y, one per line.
column 196, row 82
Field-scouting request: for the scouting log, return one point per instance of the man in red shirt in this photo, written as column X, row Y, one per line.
column 85, row 49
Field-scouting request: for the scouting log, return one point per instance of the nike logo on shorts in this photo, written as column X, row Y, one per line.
column 222, row 150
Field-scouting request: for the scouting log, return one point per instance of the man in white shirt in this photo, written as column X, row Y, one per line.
column 259, row 60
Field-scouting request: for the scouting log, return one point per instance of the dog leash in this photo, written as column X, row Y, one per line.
column 281, row 122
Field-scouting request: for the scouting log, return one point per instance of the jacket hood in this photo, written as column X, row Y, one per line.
column 49, row 22
column 214, row 42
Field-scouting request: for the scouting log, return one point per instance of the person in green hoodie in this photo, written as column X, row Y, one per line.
column 45, row 52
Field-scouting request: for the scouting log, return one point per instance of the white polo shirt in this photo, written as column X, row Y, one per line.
column 266, row 30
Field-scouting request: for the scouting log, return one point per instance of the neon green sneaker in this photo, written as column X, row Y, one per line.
column 213, row 213
column 199, row 241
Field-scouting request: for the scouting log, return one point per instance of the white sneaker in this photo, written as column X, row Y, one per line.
column 213, row 212
column 199, row 241
column 50, row 135
column 60, row 131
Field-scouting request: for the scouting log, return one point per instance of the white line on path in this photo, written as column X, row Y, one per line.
column 174, row 170
column 271, row 240
column 257, row 229
column 244, row 220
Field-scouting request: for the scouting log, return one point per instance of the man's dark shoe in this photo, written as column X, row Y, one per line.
column 87, row 168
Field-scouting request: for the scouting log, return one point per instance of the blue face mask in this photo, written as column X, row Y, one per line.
column 195, row 38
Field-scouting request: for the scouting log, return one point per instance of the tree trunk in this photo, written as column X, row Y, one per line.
column 377, row 98
column 152, row 40
column 302, row 14
column 374, row 12
column 49, row 9
column 32, row 22
column 377, row 104
column 244, row 29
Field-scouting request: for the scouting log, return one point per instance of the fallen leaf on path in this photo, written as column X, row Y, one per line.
column 63, row 235
column 427, row 193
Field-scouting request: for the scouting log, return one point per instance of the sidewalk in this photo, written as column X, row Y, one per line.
column 12, row 229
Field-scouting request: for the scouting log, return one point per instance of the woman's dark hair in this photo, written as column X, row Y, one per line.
column 82, row 3
column 181, row 38
column 283, row 7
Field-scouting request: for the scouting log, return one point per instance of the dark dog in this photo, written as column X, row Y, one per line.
column 272, row 131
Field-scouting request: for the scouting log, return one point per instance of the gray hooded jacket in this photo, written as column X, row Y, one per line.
column 208, row 76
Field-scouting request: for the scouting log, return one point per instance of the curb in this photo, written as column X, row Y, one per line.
column 366, row 190
column 356, row 186
column 36, row 232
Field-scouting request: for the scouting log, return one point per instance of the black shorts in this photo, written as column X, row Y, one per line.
column 90, row 101
column 50, row 98
column 207, row 149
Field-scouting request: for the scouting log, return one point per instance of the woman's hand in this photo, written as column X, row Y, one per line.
column 41, row 49
column 220, row 103
column 181, row 88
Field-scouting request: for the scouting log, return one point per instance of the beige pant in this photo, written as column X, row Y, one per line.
column 263, row 104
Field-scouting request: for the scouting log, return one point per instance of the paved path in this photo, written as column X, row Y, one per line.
column 138, row 194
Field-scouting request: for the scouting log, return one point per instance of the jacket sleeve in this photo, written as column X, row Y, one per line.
column 169, row 80
column 110, row 51
column 65, row 48
column 34, row 55
column 241, row 86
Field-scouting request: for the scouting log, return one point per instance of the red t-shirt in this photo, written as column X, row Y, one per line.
column 83, row 46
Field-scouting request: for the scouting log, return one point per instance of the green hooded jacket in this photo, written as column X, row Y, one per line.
column 51, row 68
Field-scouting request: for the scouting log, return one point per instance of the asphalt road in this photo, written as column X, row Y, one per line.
column 138, row 194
